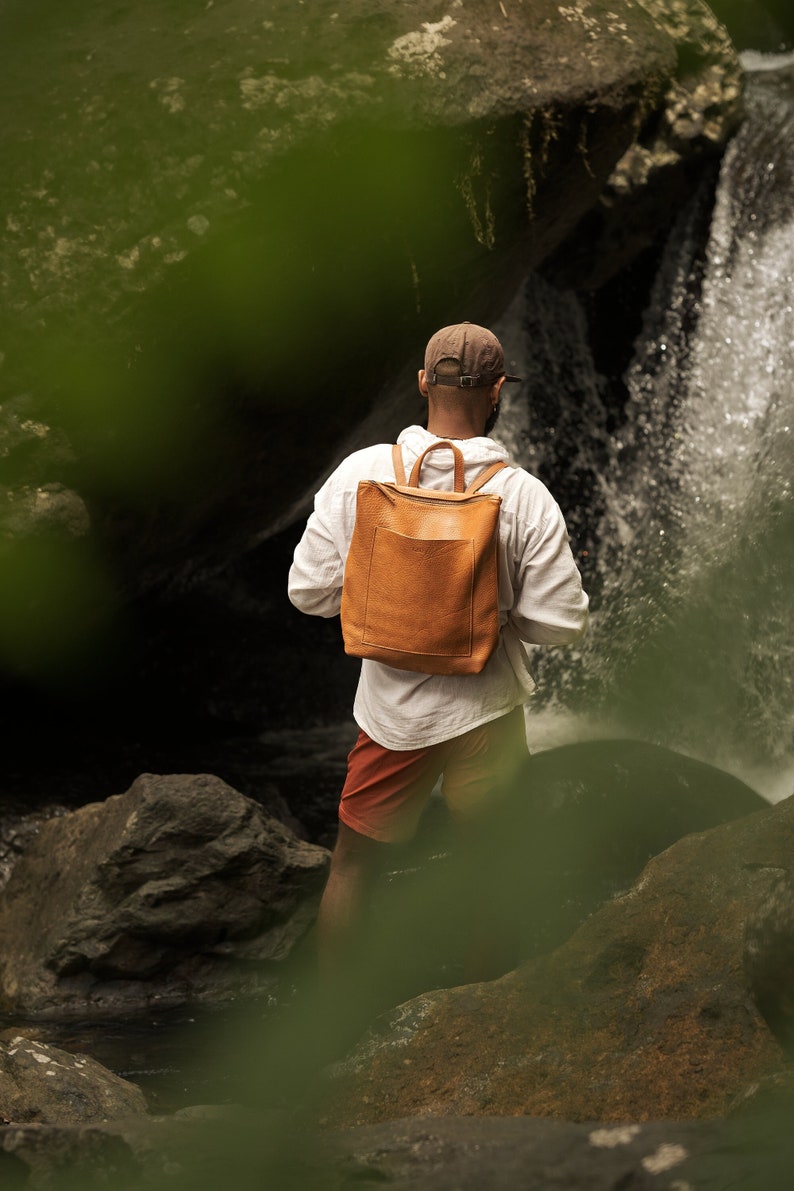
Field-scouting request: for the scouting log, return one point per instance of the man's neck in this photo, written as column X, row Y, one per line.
column 450, row 427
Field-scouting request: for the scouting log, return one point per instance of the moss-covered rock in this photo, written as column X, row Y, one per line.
column 228, row 227
column 643, row 1014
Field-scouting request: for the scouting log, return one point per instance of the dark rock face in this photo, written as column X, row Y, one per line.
column 644, row 1013
column 180, row 890
column 45, row 1085
column 702, row 107
column 301, row 200
column 766, row 25
column 179, row 244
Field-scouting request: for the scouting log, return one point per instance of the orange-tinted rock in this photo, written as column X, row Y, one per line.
column 643, row 1014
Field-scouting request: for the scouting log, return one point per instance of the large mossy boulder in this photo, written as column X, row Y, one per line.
column 229, row 228
column 644, row 1013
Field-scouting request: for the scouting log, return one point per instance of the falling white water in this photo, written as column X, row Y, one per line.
column 692, row 639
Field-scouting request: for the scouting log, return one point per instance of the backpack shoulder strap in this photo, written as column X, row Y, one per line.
column 397, row 459
column 484, row 477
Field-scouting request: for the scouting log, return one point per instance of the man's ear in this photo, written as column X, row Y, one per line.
column 423, row 386
column 498, row 388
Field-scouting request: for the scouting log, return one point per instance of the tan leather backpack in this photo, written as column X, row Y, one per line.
column 420, row 589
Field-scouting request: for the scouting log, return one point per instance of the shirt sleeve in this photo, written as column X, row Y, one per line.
column 315, row 577
column 550, row 606
column 314, row 584
column 318, row 565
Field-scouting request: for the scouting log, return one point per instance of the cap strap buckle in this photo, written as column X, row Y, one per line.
column 457, row 382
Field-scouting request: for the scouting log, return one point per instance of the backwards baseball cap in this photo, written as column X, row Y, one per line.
column 477, row 352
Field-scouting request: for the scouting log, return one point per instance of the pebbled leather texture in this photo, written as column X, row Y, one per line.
column 420, row 588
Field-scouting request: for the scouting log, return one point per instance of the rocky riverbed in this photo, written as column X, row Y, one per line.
column 652, row 980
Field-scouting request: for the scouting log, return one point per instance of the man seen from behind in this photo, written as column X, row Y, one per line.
column 468, row 729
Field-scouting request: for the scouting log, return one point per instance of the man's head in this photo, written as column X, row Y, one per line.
column 475, row 350
column 463, row 374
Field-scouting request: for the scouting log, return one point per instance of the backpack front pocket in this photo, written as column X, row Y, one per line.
column 420, row 594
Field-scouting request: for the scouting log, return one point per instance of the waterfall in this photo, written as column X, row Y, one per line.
column 691, row 494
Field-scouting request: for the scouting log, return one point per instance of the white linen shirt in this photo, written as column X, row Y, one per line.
column 541, row 600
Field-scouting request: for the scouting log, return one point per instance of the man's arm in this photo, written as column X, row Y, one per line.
column 318, row 567
column 315, row 577
column 550, row 606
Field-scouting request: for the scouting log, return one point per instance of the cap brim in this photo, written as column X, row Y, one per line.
column 518, row 379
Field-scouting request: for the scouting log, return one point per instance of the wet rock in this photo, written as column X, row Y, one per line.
column 43, row 1084
column 581, row 821
column 55, row 1156
column 442, row 1154
column 769, row 954
column 16, row 832
column 202, row 1146
column 207, row 1146
column 445, row 1154
column 49, row 508
column 180, row 890
column 577, row 826
column 643, row 1013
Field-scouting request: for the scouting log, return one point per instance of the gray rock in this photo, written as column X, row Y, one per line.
column 179, row 890
column 16, row 832
column 200, row 1150
column 505, row 1153
column 64, row 1157
column 45, row 1085
column 201, row 1147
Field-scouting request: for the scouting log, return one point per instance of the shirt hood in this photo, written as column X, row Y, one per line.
column 477, row 452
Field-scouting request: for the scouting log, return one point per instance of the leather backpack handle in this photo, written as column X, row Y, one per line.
column 460, row 481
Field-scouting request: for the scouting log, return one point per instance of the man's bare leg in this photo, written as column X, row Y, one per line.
column 355, row 863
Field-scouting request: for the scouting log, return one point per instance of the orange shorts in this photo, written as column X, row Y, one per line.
column 386, row 791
